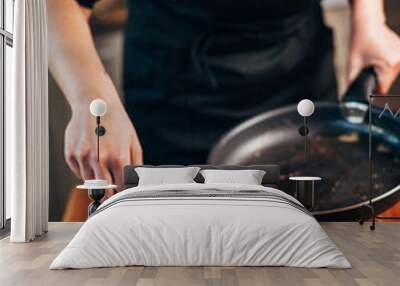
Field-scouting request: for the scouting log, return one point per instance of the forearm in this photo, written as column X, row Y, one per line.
column 373, row 43
column 73, row 59
column 366, row 12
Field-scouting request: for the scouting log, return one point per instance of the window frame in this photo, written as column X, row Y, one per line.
column 6, row 39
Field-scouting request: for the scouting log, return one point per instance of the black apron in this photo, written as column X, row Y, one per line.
column 193, row 70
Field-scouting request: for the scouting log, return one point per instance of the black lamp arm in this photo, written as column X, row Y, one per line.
column 100, row 131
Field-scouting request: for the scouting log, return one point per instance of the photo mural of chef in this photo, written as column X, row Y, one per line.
column 194, row 69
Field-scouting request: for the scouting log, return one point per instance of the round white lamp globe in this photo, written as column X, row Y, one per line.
column 305, row 107
column 98, row 107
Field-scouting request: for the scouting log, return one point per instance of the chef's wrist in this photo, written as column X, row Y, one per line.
column 81, row 107
column 94, row 88
column 367, row 13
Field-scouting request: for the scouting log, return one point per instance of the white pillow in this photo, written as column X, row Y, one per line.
column 248, row 177
column 163, row 176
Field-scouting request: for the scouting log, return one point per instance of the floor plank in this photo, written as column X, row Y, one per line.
column 375, row 257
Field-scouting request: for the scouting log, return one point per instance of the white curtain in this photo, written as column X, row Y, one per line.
column 27, row 124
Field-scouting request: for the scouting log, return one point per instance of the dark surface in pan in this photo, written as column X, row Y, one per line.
column 338, row 153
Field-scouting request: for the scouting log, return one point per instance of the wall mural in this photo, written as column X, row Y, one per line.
column 175, row 90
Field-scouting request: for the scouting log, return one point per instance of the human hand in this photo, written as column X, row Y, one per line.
column 374, row 44
column 78, row 70
column 119, row 146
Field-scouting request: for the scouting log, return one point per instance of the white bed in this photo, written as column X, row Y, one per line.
column 185, row 230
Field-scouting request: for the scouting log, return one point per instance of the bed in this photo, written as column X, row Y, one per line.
column 201, row 224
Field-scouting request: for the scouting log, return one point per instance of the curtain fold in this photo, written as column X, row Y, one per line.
column 27, row 135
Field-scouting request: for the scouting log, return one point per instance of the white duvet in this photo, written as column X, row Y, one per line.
column 200, row 231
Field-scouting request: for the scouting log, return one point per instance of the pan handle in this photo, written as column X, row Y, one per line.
column 362, row 87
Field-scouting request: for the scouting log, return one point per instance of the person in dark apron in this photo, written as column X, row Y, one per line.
column 193, row 69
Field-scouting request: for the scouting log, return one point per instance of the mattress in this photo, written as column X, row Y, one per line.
column 201, row 225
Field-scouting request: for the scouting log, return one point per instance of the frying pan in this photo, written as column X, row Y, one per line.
column 338, row 150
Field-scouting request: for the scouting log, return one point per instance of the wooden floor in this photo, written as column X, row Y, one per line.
column 375, row 257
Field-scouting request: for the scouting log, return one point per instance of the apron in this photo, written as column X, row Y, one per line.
column 192, row 71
